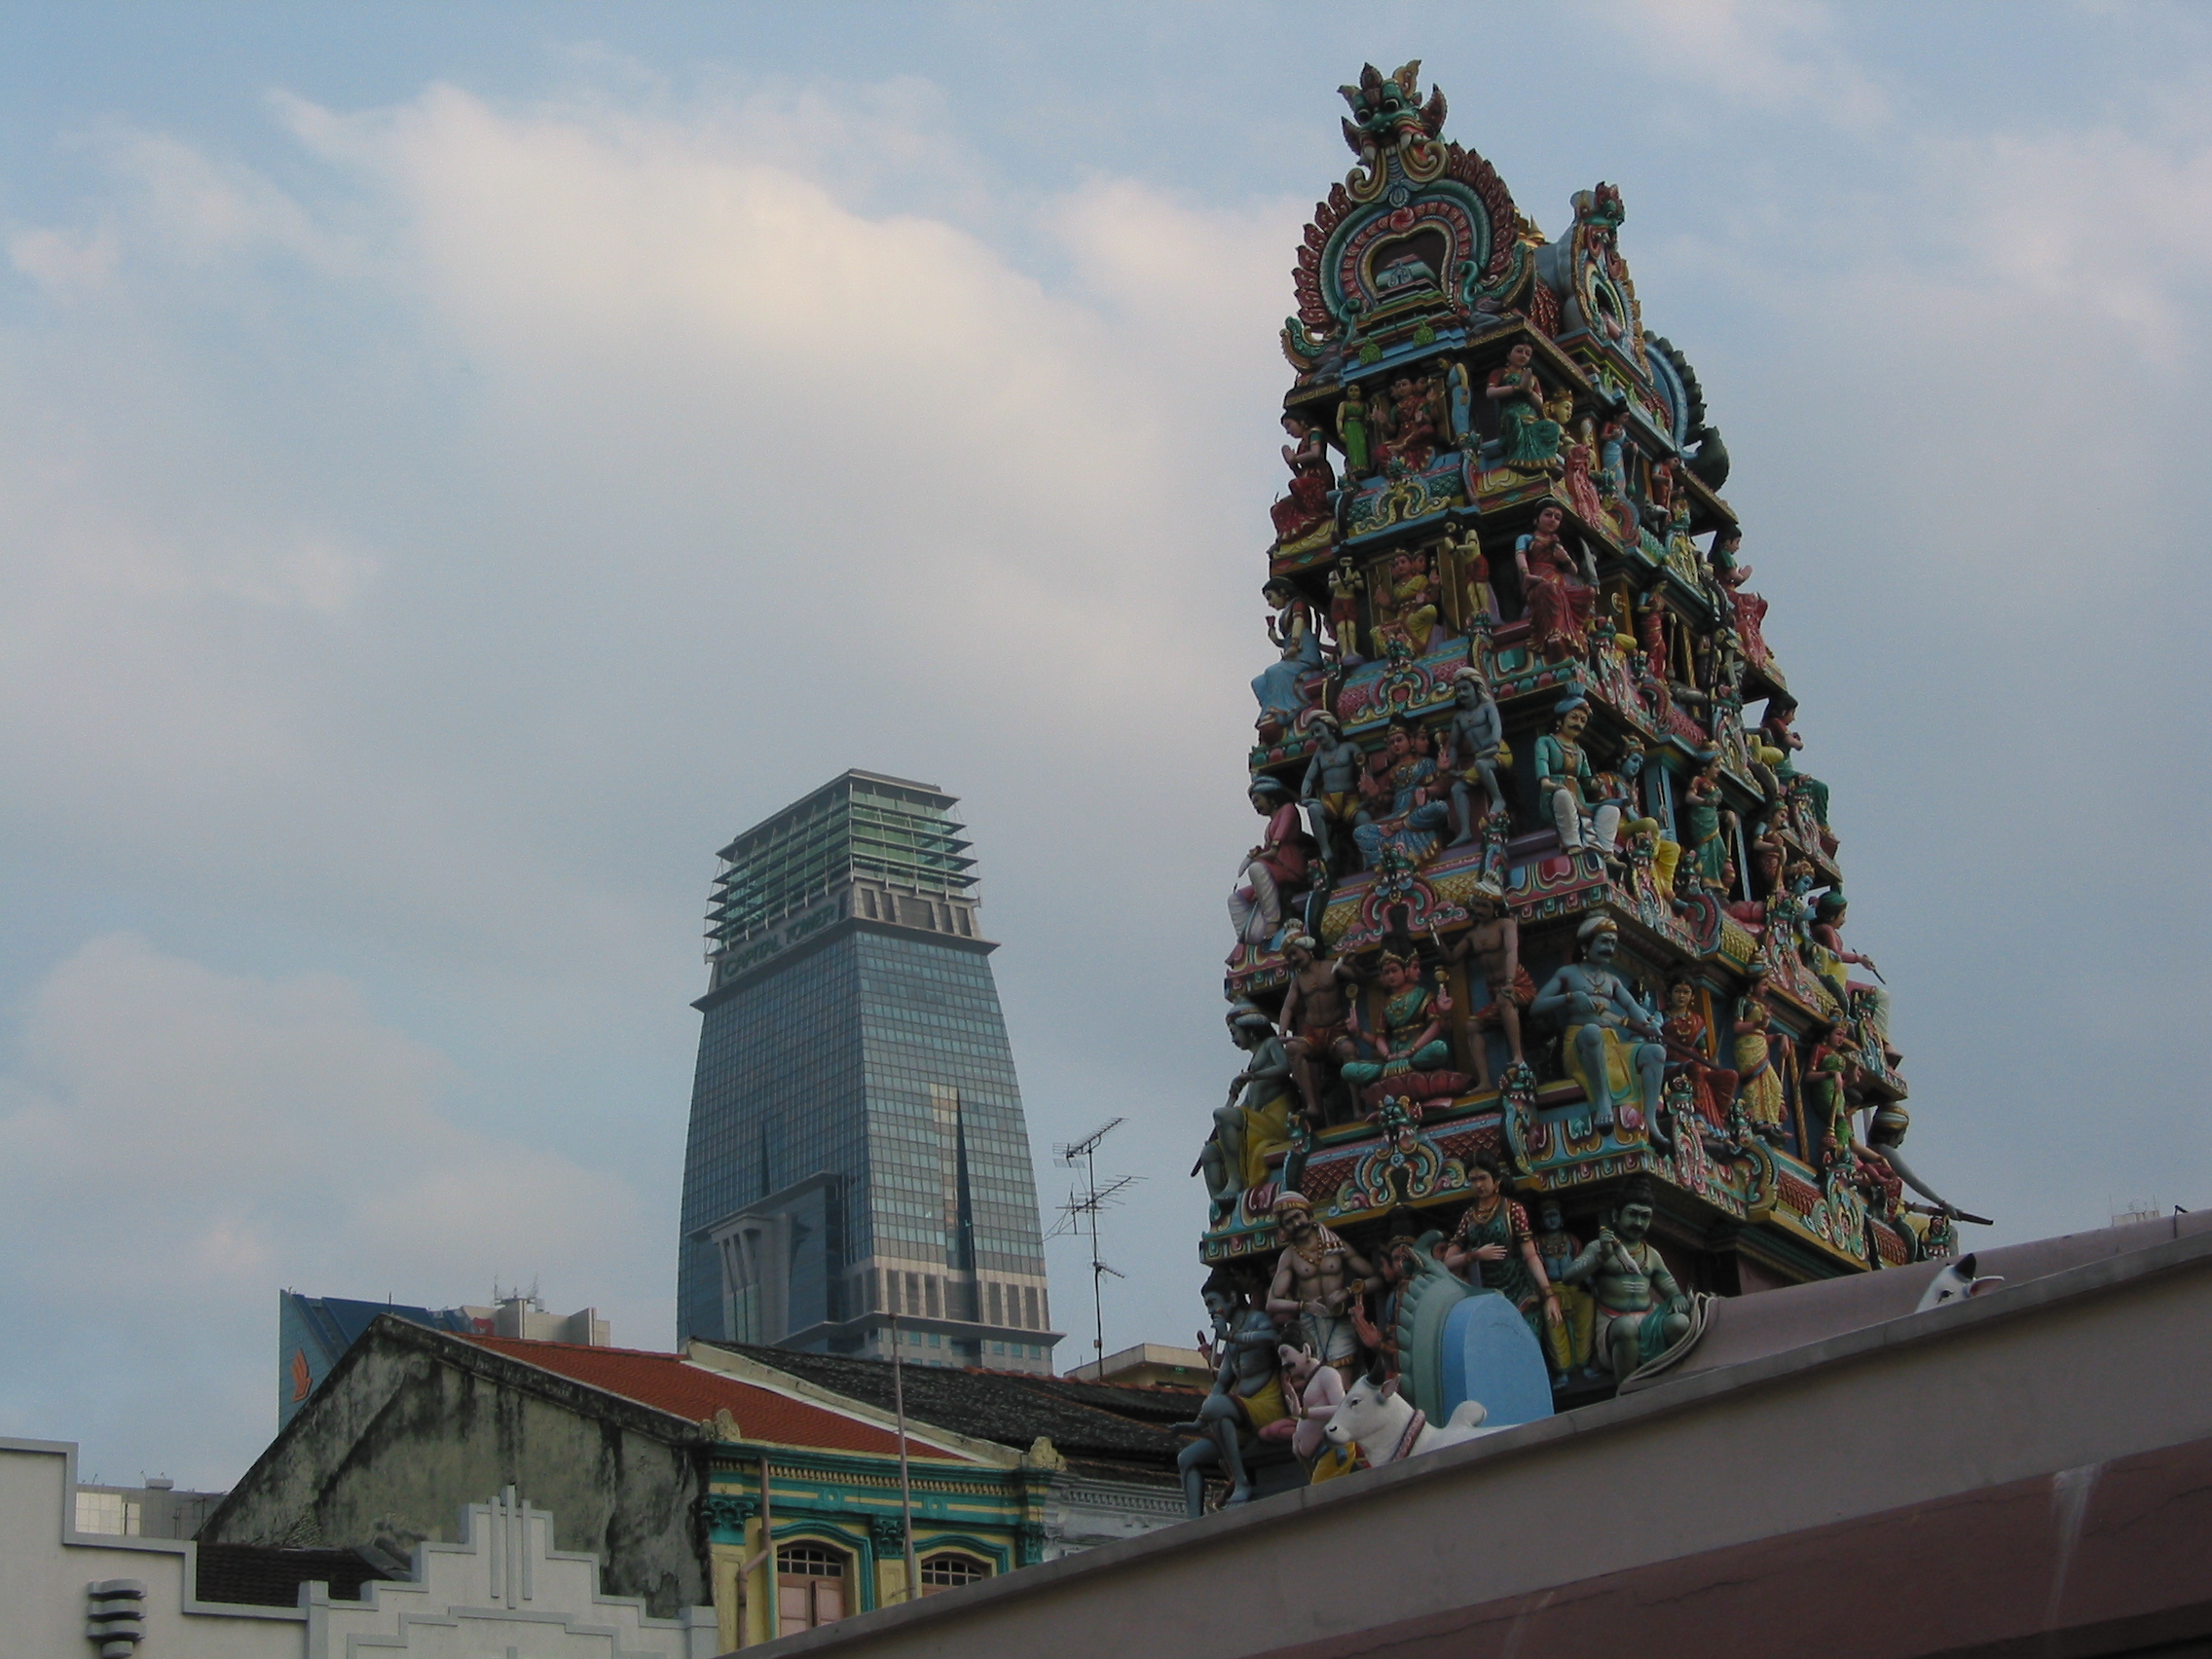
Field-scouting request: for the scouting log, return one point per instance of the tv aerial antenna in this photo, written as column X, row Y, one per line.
column 1080, row 1214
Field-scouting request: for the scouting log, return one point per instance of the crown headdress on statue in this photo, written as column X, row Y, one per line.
column 1399, row 950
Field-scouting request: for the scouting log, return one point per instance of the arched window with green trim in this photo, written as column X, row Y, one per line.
column 811, row 1586
column 949, row 1570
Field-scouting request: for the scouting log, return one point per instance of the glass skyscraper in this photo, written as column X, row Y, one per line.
column 857, row 1146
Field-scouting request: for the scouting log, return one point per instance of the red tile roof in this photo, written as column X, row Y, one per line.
column 668, row 1383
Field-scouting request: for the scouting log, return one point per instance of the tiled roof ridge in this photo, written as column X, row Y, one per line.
column 1022, row 1376
column 784, row 1380
column 740, row 1393
column 1082, row 1381
column 1066, row 1403
column 1109, row 1382
column 578, row 1348
column 1137, row 1436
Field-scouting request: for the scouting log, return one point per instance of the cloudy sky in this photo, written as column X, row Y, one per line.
column 458, row 464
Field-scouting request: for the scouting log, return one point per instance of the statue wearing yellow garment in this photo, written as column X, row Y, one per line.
column 1256, row 1120
column 1613, row 1046
column 1569, row 1343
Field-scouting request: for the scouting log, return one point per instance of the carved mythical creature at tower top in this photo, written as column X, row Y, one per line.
column 1387, row 116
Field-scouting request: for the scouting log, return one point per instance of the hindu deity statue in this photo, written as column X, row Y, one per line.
column 1749, row 612
column 1769, row 852
column 1559, row 408
column 1411, row 419
column 1311, row 480
column 1641, row 1312
column 1475, row 740
column 1491, row 947
column 1312, row 1391
column 1707, row 825
column 1664, row 512
column 1408, row 609
column 1567, row 783
column 1651, row 633
column 1826, row 1073
column 1785, row 916
column 1255, row 1122
column 1567, row 1344
column 1316, row 1012
column 1332, row 787
column 1828, row 956
column 1400, row 795
column 1352, row 431
column 1713, row 1090
column 1345, row 585
column 1644, row 840
column 1727, row 545
column 1612, row 480
column 1276, row 870
column 1290, row 627
column 1481, row 610
column 1409, row 1050
column 1247, row 1394
column 1559, row 591
column 1885, row 1139
column 1615, row 1047
column 1527, row 437
column 1780, row 730
column 1319, row 1279
column 1758, row 1082
column 1396, row 1265
column 1493, row 1239
column 1581, row 486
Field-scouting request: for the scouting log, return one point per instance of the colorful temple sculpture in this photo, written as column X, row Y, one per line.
column 1540, row 973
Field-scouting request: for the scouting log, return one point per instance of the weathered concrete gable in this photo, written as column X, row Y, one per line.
column 412, row 1425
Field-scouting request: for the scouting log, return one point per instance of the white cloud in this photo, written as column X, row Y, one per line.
column 177, row 1142
column 64, row 259
column 1768, row 54
column 2114, row 225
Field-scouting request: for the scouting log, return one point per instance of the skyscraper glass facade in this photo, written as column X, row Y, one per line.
column 857, row 1144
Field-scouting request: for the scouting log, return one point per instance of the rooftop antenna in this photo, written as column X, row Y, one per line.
column 1084, row 1204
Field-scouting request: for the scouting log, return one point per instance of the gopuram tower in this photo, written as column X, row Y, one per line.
column 1542, row 899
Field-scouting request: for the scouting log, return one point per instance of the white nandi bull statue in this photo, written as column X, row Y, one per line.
column 1383, row 1424
column 1955, row 1284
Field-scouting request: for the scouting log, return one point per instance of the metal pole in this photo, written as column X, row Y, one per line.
column 1097, row 1269
column 768, row 1551
column 905, row 1488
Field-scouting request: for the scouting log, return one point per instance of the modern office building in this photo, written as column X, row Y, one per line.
column 857, row 1147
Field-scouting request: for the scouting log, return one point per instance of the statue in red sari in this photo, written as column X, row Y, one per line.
column 1582, row 487
column 1410, row 420
column 1751, row 619
column 1712, row 1089
column 1558, row 592
column 1311, row 477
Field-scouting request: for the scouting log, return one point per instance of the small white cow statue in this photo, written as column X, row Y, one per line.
column 1383, row 1424
column 1955, row 1284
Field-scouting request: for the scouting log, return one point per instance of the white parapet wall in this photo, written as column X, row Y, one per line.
column 503, row 1589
